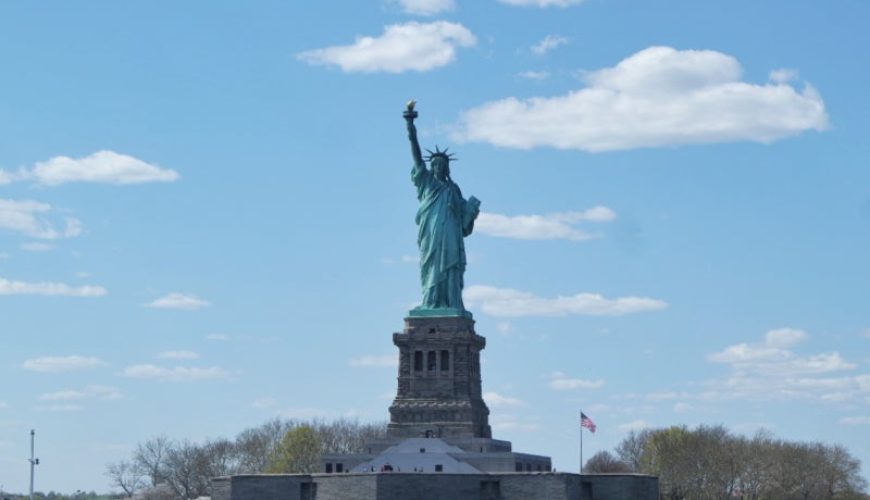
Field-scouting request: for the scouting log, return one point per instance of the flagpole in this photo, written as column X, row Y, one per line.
column 581, row 447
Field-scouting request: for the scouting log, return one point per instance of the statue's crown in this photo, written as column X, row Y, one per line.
column 440, row 154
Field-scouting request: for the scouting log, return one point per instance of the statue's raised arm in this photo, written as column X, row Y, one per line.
column 409, row 115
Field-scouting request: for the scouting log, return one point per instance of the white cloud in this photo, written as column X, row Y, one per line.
column 264, row 403
column 496, row 400
column 504, row 327
column 404, row 259
column 534, row 75
column 177, row 300
column 61, row 364
column 769, row 369
column 504, row 423
column 543, row 227
column 682, row 407
column 561, row 382
column 411, row 46
column 784, row 337
column 634, row 425
column 90, row 392
column 426, row 7
column 175, row 374
column 37, row 246
column 506, row 302
column 3, row 404
column 548, row 43
column 307, row 413
column 771, row 358
column 66, row 395
column 217, row 337
column 657, row 97
column 783, row 75
column 61, row 408
column 28, row 217
column 542, row 3
column 178, row 355
column 9, row 287
column 105, row 167
column 861, row 420
column 369, row 361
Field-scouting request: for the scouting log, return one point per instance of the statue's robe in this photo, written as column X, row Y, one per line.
column 443, row 219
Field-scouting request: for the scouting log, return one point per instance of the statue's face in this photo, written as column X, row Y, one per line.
column 440, row 168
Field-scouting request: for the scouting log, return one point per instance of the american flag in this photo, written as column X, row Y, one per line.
column 587, row 422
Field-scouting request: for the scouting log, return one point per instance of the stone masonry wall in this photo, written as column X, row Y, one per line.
column 410, row 486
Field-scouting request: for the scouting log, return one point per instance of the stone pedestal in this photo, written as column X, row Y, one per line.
column 439, row 388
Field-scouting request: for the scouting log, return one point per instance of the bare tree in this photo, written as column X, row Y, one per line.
column 150, row 458
column 630, row 449
column 186, row 467
column 125, row 475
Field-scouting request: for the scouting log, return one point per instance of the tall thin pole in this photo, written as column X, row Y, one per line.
column 581, row 451
column 33, row 461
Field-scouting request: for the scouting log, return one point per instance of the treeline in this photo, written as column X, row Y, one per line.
column 710, row 462
column 164, row 469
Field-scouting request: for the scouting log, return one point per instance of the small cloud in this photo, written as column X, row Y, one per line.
column 784, row 337
column 771, row 357
column 90, row 392
column 496, row 400
column 426, row 7
column 62, row 395
column 62, row 364
column 541, row 3
column 634, row 425
column 860, row 420
column 264, row 403
column 217, row 337
column 177, row 300
column 549, row 43
column 504, row 327
column 543, row 227
column 783, row 75
column 31, row 218
column 8, row 287
column 865, row 333
column 512, row 423
column 3, row 405
column 178, row 355
column 405, row 47
column 682, row 408
column 405, row 259
column 307, row 413
column 369, row 361
column 534, row 75
column 175, row 374
column 4, row 255
column 106, row 167
column 506, row 302
column 561, row 382
column 62, row 408
column 37, row 246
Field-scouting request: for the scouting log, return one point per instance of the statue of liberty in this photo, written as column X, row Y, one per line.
column 443, row 219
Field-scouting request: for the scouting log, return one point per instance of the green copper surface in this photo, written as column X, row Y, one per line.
column 444, row 219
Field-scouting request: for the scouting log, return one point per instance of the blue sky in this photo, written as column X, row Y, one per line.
column 207, row 219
